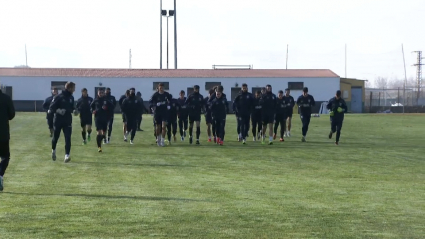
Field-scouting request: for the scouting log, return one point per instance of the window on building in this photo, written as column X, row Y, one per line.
column 60, row 85
column 295, row 85
column 166, row 85
column 209, row 85
column 8, row 90
column 189, row 91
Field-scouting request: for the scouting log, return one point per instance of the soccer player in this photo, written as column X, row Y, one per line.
column 337, row 107
column 101, row 108
column 46, row 105
column 195, row 103
column 290, row 102
column 86, row 118
column 221, row 89
column 7, row 113
column 280, row 116
column 173, row 108
column 218, row 112
column 132, row 108
column 183, row 115
column 124, row 120
column 244, row 103
column 62, row 107
column 256, row 118
column 208, row 117
column 112, row 111
column 160, row 101
column 139, row 120
column 305, row 102
column 268, row 107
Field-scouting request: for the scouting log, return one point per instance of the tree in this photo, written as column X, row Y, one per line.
column 381, row 83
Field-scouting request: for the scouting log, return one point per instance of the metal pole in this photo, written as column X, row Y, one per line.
column 405, row 78
column 175, row 35
column 26, row 57
column 345, row 60
column 287, row 50
column 167, row 41
column 160, row 35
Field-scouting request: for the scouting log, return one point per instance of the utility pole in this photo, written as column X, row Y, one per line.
column 175, row 35
column 418, row 73
column 160, row 35
column 26, row 57
column 287, row 51
column 130, row 60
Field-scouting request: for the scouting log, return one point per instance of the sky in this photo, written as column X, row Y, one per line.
column 99, row 34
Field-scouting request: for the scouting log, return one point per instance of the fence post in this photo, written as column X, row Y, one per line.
column 370, row 103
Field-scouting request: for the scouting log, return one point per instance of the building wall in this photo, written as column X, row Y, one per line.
column 347, row 84
column 29, row 91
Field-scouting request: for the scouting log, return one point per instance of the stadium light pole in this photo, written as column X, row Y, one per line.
column 175, row 35
column 161, row 12
column 170, row 14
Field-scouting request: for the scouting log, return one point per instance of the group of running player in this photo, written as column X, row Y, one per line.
column 261, row 110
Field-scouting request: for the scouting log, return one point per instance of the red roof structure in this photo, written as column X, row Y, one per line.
column 173, row 73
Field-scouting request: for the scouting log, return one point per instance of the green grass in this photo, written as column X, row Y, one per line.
column 371, row 186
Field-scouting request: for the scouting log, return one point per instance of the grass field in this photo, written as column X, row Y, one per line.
column 370, row 186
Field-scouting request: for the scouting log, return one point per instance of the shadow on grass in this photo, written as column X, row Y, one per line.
column 143, row 198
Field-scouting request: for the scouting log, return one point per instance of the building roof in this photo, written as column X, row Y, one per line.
column 179, row 73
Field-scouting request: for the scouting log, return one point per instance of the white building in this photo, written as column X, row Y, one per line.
column 30, row 86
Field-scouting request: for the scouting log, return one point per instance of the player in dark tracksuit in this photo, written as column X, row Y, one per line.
column 183, row 115
column 218, row 112
column 132, row 108
column 280, row 117
column 268, row 107
column 221, row 89
column 238, row 126
column 86, row 117
column 139, row 120
column 256, row 116
column 244, row 103
column 173, row 109
column 101, row 107
column 46, row 105
column 124, row 120
column 208, row 116
column 7, row 113
column 337, row 108
column 159, row 101
column 62, row 107
column 195, row 103
column 112, row 111
column 290, row 102
column 305, row 102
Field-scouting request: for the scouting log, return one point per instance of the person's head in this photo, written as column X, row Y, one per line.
column 161, row 88
column 263, row 90
column 132, row 91
column 138, row 94
column 268, row 88
column 305, row 91
column 100, row 92
column 182, row 94
column 220, row 88
column 127, row 93
column 287, row 91
column 244, row 87
column 196, row 88
column 280, row 94
column 257, row 94
column 55, row 91
column 218, row 94
column 211, row 92
column 108, row 91
column 338, row 94
column 70, row 86
column 84, row 92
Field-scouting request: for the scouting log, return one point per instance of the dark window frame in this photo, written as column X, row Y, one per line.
column 210, row 85
column 166, row 85
column 291, row 85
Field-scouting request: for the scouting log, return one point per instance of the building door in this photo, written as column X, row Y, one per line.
column 356, row 100
column 255, row 89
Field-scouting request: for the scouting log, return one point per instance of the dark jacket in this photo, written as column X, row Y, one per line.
column 333, row 105
column 244, row 103
column 122, row 98
column 257, row 108
column 195, row 103
column 162, row 100
column 7, row 113
column 183, row 111
column 112, row 99
column 305, row 104
column 83, row 106
column 63, row 101
column 46, row 104
column 268, row 102
column 222, row 96
column 290, row 103
column 219, row 108
column 174, row 109
column 132, row 108
column 102, row 108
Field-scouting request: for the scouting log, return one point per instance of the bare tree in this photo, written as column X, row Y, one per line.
column 396, row 83
column 368, row 84
column 381, row 83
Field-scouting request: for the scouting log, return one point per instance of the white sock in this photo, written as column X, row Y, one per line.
column 270, row 138
column 66, row 155
column 53, row 151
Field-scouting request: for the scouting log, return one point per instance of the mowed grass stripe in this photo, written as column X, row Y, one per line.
column 369, row 186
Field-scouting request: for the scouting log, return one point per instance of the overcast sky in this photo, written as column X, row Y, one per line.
column 99, row 34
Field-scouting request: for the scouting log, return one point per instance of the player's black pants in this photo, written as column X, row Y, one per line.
column 183, row 122
column 256, row 124
column 5, row 156
column 132, row 126
column 336, row 125
column 49, row 118
column 220, row 123
column 110, row 124
column 280, row 120
column 305, row 120
column 139, row 122
column 66, row 127
column 238, row 124
column 243, row 121
column 171, row 128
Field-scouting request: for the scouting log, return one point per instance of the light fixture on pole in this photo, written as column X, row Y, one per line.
column 170, row 14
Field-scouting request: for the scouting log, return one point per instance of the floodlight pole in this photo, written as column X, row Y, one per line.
column 160, row 35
